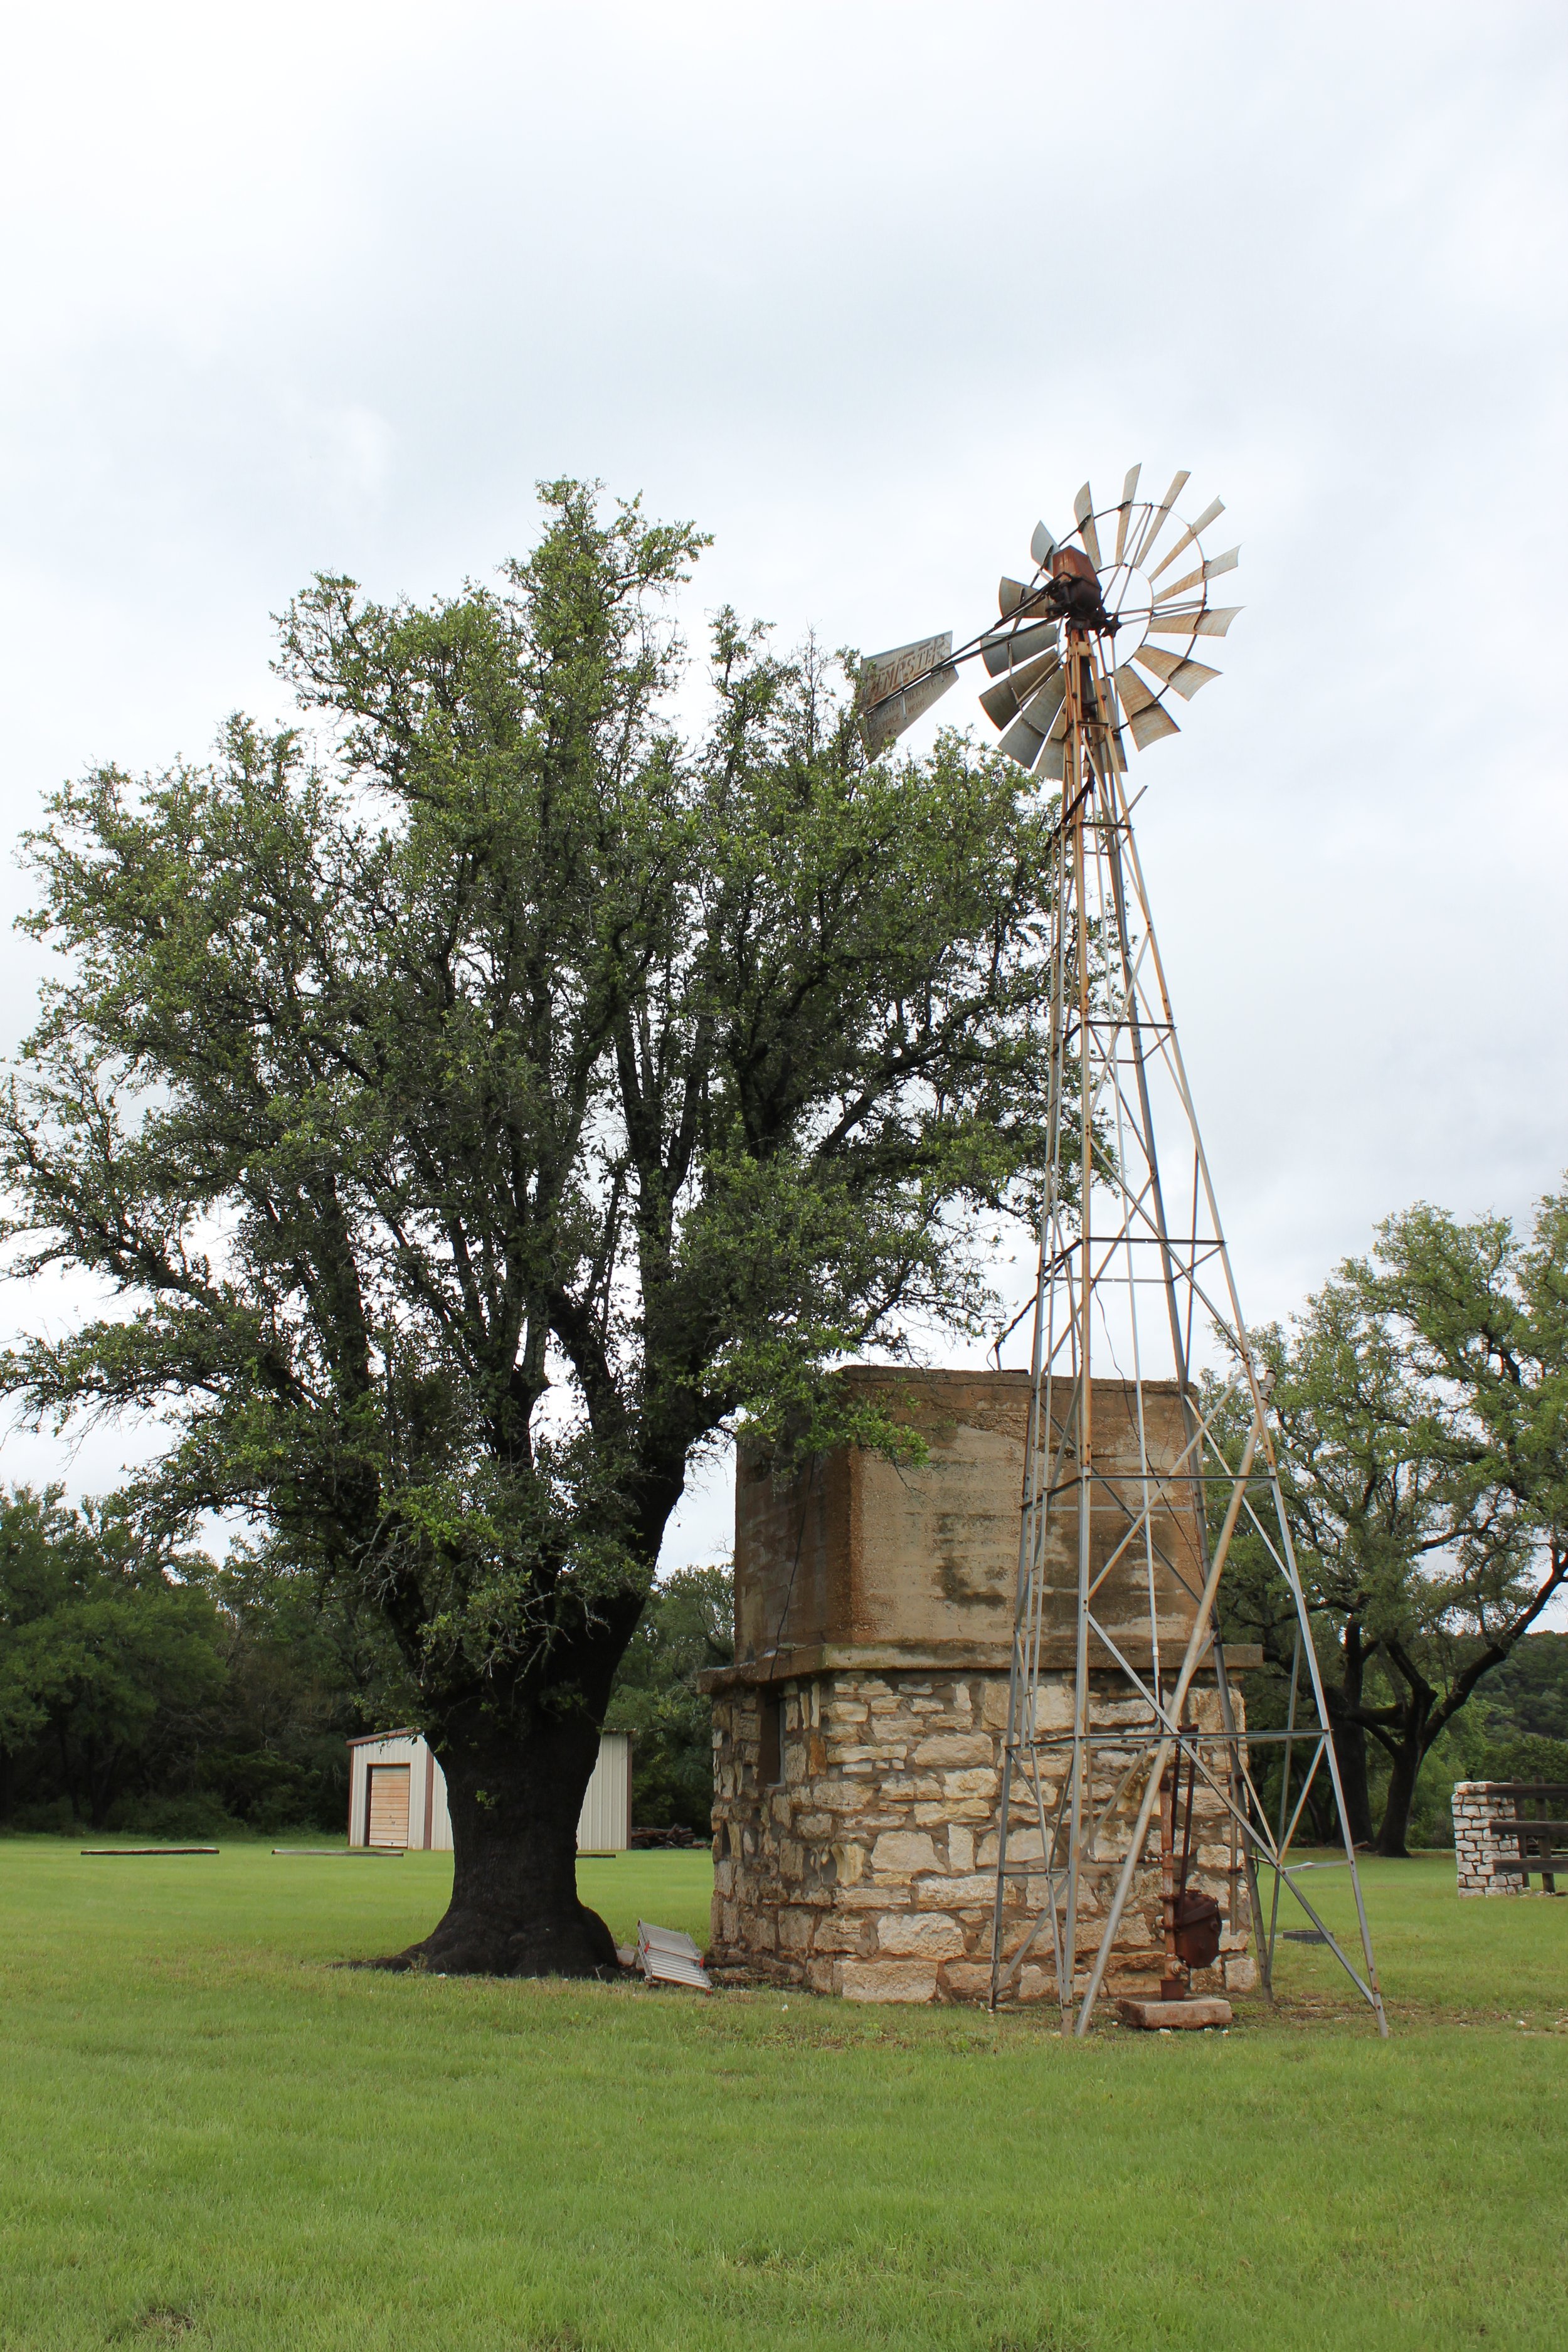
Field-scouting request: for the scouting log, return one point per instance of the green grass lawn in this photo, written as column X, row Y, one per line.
column 209, row 2134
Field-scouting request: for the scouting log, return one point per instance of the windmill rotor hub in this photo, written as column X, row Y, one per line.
column 1073, row 593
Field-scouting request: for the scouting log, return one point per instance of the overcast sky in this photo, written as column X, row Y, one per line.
column 865, row 290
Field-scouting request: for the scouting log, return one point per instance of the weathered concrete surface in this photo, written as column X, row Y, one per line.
column 860, row 1550
column 1173, row 2016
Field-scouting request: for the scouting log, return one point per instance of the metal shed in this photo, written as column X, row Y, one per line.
column 397, row 1795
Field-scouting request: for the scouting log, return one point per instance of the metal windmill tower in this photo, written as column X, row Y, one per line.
column 1138, row 1478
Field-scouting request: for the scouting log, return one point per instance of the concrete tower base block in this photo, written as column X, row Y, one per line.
column 1179, row 2016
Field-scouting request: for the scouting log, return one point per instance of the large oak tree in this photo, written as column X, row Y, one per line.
column 470, row 1109
column 1422, row 1404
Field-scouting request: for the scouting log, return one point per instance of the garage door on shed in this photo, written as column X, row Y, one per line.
column 387, row 1823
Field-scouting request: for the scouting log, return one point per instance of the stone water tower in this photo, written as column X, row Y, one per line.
column 858, row 1738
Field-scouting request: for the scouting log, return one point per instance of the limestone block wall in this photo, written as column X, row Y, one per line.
column 868, row 1869
column 1476, row 1851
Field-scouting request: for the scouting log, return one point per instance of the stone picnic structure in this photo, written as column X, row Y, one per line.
column 859, row 1735
column 1506, row 1831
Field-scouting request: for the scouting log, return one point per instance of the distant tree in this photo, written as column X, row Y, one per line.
column 1420, row 1401
column 1526, row 1697
column 1482, row 1315
column 475, row 1123
column 1366, row 1504
column 144, row 1688
column 303, row 1673
column 109, row 1655
column 686, row 1628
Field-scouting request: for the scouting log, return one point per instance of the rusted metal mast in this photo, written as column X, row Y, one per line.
column 1135, row 1303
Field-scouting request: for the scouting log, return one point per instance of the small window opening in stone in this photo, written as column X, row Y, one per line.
column 770, row 1758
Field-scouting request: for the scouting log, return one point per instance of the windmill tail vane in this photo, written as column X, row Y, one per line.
column 1141, row 1814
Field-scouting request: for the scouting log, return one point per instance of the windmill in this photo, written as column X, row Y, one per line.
column 1150, row 1467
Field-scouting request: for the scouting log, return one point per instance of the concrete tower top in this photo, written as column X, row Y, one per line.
column 857, row 1560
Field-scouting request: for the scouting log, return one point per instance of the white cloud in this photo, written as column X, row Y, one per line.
column 866, row 288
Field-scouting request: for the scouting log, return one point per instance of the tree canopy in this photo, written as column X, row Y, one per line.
column 1422, row 1398
column 472, row 1108
column 144, row 1688
column 109, row 1656
column 687, row 1626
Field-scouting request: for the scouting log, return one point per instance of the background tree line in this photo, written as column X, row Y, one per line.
column 145, row 1689
column 1422, row 1402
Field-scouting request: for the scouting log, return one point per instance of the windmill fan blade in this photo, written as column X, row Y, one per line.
column 1000, row 702
column 1042, row 546
column 1083, row 507
column 1134, row 694
column 1210, row 514
column 1124, row 512
column 1148, row 726
column 1209, row 571
column 1022, row 742
column 1145, row 547
column 1184, row 677
column 1025, row 738
column 1008, row 647
column 1147, row 718
column 1044, row 707
column 1014, row 601
column 1052, row 761
column 1196, row 620
column 1107, row 757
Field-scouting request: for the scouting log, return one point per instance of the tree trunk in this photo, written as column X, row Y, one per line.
column 1415, row 1706
column 97, row 1786
column 1350, row 1736
column 1349, row 1753
column 516, row 1778
column 1406, row 1762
